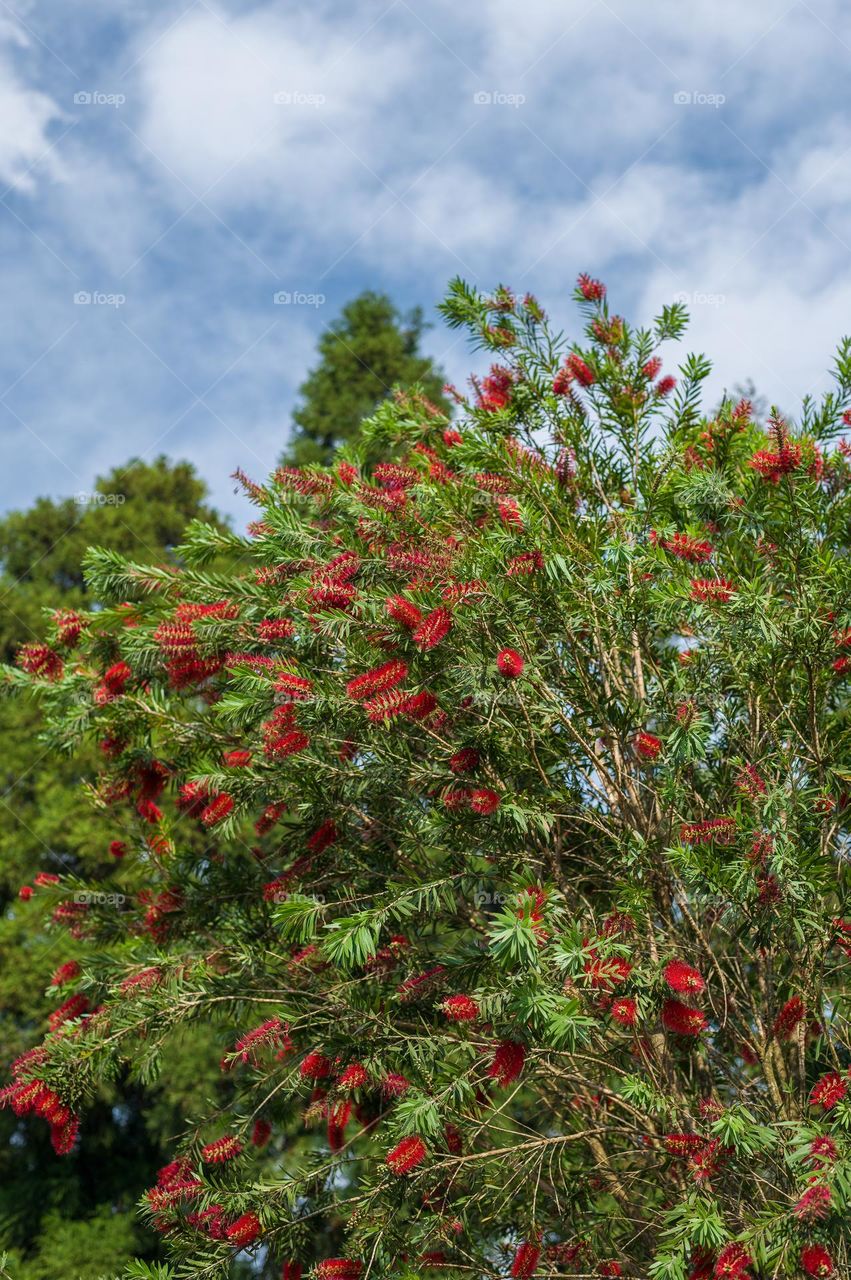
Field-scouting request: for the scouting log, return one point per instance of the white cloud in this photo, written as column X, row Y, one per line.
column 27, row 114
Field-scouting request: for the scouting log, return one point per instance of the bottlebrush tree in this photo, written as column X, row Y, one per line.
column 523, row 763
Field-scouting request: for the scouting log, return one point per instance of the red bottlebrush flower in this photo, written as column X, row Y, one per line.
column 323, row 837
column 509, row 664
column 115, row 679
column 244, row 1231
column 63, row 1136
column 421, row 705
column 40, row 660
column 294, row 687
column 433, row 628
column 624, row 1010
column 117, row 848
column 592, row 290
column 562, row 381
column 823, row 1150
column 45, row 878
column 612, row 1268
column 816, row 1260
column 377, row 680
column 682, row 978
column 647, row 745
column 66, row 972
column 712, row 590
column 393, row 1085
column 237, row 759
column 386, row 706
column 460, row 1008
column 402, row 610
column 788, row 1018
column 484, row 801
column 686, row 548
column 292, row 1270
column 828, row 1090
column 272, row 1034
column 217, row 810
column 149, row 811
column 465, row 760
column 404, row 1157
column 606, row 972
column 338, row 1118
column 681, row 1020
column 665, row 386
column 495, row 390
column 814, row 1203
column 527, row 563
column 315, row 1067
column 683, row 1145
column 288, row 744
column 271, row 630
column 339, row 1269
column 221, row 1150
column 355, row 1076
column 261, row 1133
column 714, row 830
column 507, row 1062
column 73, row 1007
column 145, row 980
column 526, row 1260
column 652, row 369
column 69, row 626
column 580, row 370
column 733, row 1262
column 750, row 783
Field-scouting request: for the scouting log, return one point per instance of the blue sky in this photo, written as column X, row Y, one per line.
column 182, row 163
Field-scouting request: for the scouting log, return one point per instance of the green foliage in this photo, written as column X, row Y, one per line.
column 366, row 354
column 488, row 807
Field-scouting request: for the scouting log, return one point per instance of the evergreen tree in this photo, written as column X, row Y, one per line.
column 520, row 771
column 364, row 355
column 60, row 1219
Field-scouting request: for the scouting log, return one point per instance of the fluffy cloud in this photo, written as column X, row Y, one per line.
column 27, row 114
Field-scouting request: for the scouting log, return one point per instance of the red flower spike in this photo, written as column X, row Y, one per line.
column 507, row 1063
column 460, row 1008
column 647, row 745
column 683, row 979
column 339, row 1269
column 828, row 1090
column 433, row 628
column 816, row 1261
column 509, row 664
column 405, row 1157
column 682, row 1020
column 525, row 1262
column 814, row 1204
column 244, row 1231
column 315, row 1067
column 624, row 1010
column 221, row 1150
column 484, row 801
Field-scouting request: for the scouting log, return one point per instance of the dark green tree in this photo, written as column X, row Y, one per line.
column 75, row 1218
column 370, row 350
